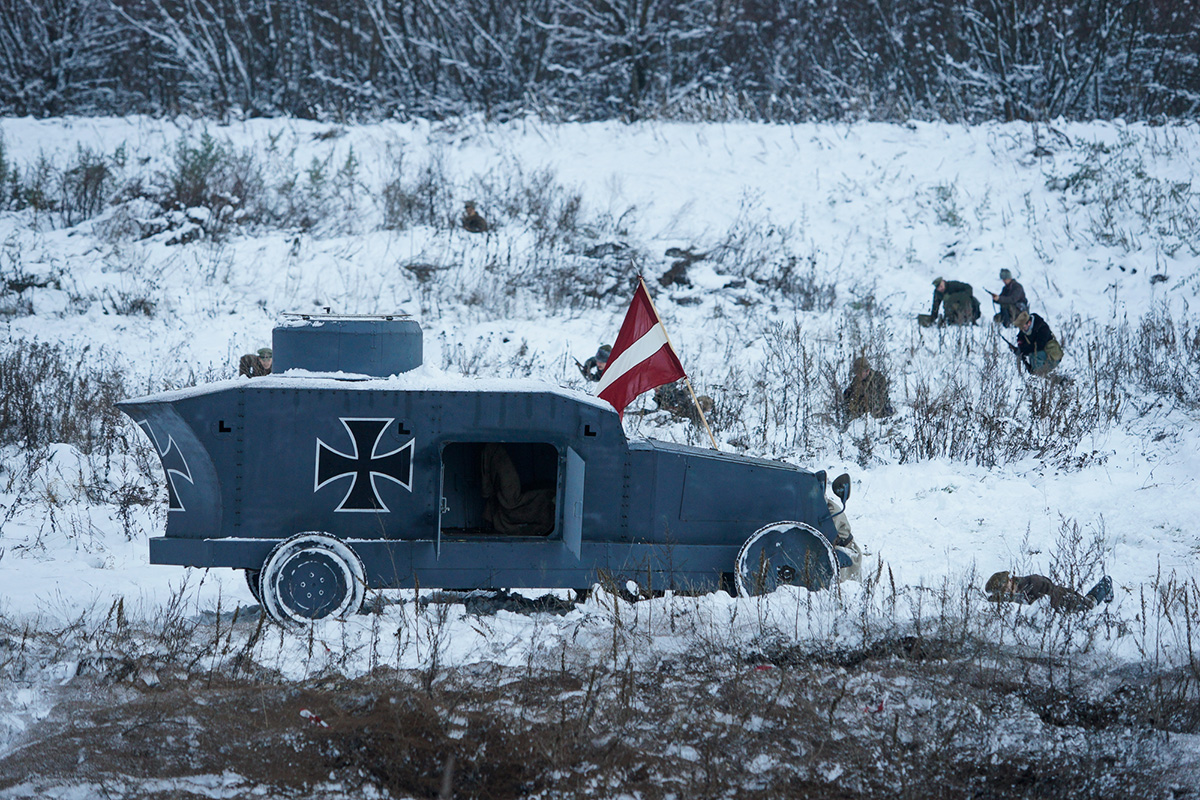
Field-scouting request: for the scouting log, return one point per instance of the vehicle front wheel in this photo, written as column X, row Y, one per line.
column 785, row 554
column 252, row 578
column 312, row 576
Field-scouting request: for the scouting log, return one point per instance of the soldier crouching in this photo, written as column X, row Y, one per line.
column 958, row 300
column 1036, row 344
column 867, row 392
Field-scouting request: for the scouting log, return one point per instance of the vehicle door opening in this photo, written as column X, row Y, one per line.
column 500, row 489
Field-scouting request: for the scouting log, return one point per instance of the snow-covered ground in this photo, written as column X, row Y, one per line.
column 876, row 211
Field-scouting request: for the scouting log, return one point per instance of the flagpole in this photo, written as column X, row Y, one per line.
column 686, row 379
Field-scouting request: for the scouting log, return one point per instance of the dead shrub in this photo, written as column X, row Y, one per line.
column 51, row 393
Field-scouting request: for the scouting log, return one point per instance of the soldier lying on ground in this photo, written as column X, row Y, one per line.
column 1003, row 587
column 959, row 301
column 675, row 398
column 255, row 366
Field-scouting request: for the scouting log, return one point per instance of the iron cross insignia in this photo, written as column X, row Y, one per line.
column 173, row 464
column 364, row 464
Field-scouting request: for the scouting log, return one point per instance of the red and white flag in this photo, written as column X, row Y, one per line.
column 642, row 357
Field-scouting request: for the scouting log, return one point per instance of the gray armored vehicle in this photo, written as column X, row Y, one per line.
column 355, row 467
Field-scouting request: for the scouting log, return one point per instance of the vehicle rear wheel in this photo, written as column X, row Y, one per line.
column 312, row 576
column 785, row 554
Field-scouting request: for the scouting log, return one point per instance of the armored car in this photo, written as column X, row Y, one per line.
column 356, row 467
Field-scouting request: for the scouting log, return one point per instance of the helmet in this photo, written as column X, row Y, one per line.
column 265, row 352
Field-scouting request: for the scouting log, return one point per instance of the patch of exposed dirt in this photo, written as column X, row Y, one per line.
column 896, row 724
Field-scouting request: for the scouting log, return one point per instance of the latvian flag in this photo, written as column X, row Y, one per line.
column 641, row 358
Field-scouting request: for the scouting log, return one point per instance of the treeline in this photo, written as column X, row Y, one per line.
column 963, row 60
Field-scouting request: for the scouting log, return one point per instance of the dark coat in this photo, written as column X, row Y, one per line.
column 1012, row 296
column 961, row 306
column 868, row 396
column 591, row 369
column 1038, row 337
column 473, row 221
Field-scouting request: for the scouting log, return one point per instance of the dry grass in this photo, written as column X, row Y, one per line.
column 982, row 703
column 890, row 726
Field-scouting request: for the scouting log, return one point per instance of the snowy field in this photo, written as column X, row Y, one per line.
column 828, row 235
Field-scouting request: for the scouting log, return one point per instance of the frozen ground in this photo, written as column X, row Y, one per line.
column 876, row 211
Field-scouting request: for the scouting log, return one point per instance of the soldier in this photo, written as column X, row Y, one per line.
column 675, row 398
column 1003, row 587
column 508, row 507
column 255, row 366
column 472, row 220
column 848, row 553
column 1036, row 344
column 867, row 392
column 593, row 369
column 961, row 306
column 1011, row 299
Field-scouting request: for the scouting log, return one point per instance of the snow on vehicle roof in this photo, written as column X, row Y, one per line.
column 297, row 319
column 707, row 452
column 422, row 379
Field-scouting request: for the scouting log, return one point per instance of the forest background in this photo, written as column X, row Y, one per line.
column 687, row 60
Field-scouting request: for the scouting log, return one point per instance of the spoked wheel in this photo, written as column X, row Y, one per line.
column 785, row 554
column 312, row 576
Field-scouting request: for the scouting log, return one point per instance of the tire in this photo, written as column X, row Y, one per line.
column 252, row 578
column 785, row 554
column 312, row 576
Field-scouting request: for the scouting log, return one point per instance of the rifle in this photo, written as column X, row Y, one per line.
column 1017, row 352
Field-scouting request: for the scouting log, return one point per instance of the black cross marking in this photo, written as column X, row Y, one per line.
column 363, row 465
column 173, row 464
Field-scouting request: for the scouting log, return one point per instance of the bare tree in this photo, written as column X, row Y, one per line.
column 762, row 59
column 54, row 55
